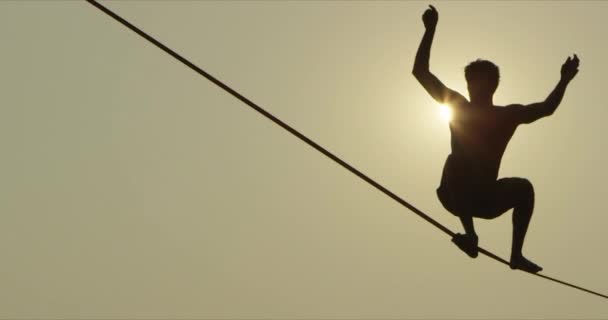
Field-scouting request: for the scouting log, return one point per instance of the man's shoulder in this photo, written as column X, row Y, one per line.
column 511, row 113
column 510, row 109
column 512, row 106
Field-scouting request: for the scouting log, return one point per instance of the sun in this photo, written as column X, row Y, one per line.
column 445, row 112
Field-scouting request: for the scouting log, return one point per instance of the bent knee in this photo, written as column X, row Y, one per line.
column 525, row 190
column 448, row 201
column 526, row 186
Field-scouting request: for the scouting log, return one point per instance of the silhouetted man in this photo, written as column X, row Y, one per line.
column 480, row 132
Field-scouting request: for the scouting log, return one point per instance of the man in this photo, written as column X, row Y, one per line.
column 480, row 132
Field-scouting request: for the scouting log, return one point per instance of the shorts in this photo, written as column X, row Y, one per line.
column 463, row 192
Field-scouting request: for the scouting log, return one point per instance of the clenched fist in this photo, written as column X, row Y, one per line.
column 430, row 18
column 570, row 68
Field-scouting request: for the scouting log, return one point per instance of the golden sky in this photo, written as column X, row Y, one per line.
column 134, row 188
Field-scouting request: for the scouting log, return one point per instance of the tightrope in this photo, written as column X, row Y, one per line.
column 313, row 144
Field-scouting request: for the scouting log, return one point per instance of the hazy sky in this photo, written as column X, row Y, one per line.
column 132, row 187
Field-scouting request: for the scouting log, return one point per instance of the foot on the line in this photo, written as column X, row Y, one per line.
column 467, row 243
column 519, row 262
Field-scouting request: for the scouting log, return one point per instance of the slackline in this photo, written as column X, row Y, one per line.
column 313, row 144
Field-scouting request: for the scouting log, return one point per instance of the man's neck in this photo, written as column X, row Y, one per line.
column 484, row 102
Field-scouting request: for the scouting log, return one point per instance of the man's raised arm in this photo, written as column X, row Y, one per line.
column 421, row 70
column 535, row 111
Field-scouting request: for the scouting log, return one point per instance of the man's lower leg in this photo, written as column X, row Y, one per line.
column 469, row 228
column 521, row 219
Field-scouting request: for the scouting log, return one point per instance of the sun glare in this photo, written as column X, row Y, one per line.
column 445, row 112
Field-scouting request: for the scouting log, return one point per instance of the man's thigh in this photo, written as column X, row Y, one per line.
column 497, row 198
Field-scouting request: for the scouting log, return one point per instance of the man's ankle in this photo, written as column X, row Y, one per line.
column 516, row 256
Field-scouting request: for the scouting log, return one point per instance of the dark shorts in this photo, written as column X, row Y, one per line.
column 471, row 201
column 486, row 200
column 469, row 191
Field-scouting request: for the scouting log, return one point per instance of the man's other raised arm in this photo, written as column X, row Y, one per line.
column 421, row 70
column 535, row 111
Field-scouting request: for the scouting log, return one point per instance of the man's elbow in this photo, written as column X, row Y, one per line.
column 420, row 73
column 549, row 108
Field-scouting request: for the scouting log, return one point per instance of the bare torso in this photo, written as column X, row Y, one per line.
column 479, row 137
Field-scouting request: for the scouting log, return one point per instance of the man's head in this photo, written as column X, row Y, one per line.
column 482, row 79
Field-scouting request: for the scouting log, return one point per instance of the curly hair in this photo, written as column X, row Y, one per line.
column 483, row 70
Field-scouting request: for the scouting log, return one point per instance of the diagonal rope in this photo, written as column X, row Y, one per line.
column 311, row 143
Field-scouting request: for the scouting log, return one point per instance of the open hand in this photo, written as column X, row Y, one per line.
column 570, row 68
column 430, row 17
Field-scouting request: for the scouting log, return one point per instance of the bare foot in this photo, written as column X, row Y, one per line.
column 467, row 243
column 519, row 262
